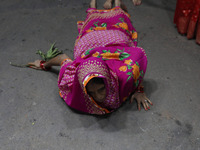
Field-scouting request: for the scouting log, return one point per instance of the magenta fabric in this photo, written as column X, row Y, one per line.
column 104, row 28
column 120, row 65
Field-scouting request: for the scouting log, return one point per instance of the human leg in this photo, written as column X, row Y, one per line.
column 137, row 2
column 93, row 4
column 108, row 4
column 119, row 3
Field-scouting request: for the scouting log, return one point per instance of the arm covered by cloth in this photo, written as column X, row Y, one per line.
column 130, row 70
column 128, row 65
column 66, row 77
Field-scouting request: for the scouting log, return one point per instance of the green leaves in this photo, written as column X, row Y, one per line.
column 96, row 24
column 129, row 67
column 105, row 51
column 124, row 55
column 41, row 54
column 120, row 50
column 104, row 24
column 130, row 75
column 136, row 83
column 121, row 19
column 128, row 78
column 51, row 53
column 88, row 51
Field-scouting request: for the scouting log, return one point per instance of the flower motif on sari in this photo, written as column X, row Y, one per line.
column 125, row 27
column 128, row 62
column 123, row 55
column 132, row 69
column 106, row 55
column 83, row 55
column 123, row 68
column 97, row 27
column 96, row 54
column 134, row 72
column 122, row 24
column 134, row 35
column 86, row 53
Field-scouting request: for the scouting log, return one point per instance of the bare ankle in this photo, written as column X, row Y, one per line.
column 108, row 4
column 93, row 4
column 117, row 3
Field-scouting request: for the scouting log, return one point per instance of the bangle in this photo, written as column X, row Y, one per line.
column 65, row 60
column 42, row 66
column 140, row 89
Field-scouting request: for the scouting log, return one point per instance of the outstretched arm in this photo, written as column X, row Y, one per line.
column 141, row 97
column 56, row 61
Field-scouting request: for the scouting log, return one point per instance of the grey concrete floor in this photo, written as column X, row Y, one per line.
column 34, row 117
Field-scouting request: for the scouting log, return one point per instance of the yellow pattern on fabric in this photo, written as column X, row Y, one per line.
column 109, row 13
column 91, row 66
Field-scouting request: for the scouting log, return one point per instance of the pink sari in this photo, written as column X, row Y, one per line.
column 105, row 48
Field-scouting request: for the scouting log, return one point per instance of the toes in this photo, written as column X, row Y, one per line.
column 137, row 2
column 117, row 3
column 107, row 5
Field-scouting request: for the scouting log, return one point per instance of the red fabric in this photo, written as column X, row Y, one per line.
column 187, row 18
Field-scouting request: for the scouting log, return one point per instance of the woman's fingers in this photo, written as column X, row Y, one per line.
column 35, row 64
column 145, row 105
column 34, row 67
column 141, row 99
column 31, row 63
column 148, row 100
column 139, row 106
column 145, row 101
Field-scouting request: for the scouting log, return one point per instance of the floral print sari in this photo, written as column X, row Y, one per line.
column 105, row 48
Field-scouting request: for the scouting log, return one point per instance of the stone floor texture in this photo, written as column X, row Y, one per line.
column 34, row 117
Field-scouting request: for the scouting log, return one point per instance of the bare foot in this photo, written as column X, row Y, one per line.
column 108, row 4
column 93, row 4
column 117, row 3
column 137, row 2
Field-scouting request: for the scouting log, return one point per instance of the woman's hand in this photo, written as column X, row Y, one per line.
column 35, row 64
column 56, row 61
column 141, row 98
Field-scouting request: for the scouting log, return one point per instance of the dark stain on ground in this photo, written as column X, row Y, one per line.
column 159, row 114
column 178, row 122
column 189, row 128
column 62, row 134
column 33, row 120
